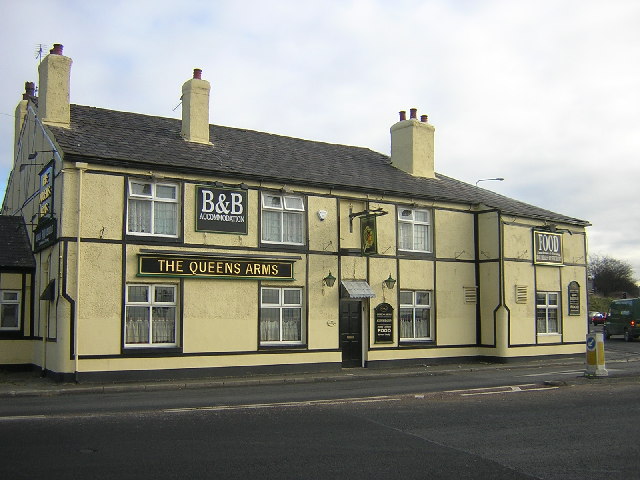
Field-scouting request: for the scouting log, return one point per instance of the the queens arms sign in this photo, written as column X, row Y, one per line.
column 214, row 267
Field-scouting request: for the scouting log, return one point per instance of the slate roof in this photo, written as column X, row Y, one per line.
column 127, row 139
column 15, row 248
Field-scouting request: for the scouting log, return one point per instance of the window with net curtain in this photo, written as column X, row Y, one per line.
column 152, row 209
column 547, row 320
column 9, row 310
column 280, row 316
column 414, row 230
column 150, row 318
column 282, row 219
column 415, row 315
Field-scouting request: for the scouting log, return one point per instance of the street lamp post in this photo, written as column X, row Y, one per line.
column 498, row 179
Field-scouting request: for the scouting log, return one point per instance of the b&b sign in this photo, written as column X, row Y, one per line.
column 548, row 247
column 221, row 210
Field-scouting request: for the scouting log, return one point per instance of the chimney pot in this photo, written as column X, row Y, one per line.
column 29, row 90
column 413, row 113
column 403, row 115
column 197, row 73
column 57, row 49
column 424, row 118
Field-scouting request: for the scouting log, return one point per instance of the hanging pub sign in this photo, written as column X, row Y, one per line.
column 383, row 323
column 221, row 210
column 176, row 265
column 547, row 248
column 368, row 235
column 45, row 198
column 45, row 233
column 574, row 298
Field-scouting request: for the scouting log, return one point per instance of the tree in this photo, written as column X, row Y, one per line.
column 611, row 275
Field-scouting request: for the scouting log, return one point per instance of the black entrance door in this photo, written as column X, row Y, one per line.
column 351, row 333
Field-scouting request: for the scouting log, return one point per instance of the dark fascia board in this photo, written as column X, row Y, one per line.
column 117, row 162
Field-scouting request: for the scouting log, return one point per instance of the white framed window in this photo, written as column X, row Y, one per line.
column 281, row 316
column 547, row 320
column 415, row 315
column 152, row 209
column 414, row 230
column 282, row 219
column 9, row 310
column 150, row 316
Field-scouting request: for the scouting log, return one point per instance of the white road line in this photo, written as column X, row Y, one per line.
column 384, row 398
column 491, row 388
column 571, row 372
column 22, row 417
column 507, row 391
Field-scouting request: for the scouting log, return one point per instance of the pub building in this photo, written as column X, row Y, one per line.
column 136, row 247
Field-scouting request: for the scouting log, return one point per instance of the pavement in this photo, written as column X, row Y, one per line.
column 620, row 365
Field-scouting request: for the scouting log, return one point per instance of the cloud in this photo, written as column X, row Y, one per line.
column 542, row 93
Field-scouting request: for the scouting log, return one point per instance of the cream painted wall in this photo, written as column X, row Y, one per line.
column 386, row 226
column 522, row 315
column 102, row 205
column 574, row 248
column 455, row 319
column 323, row 234
column 454, row 235
column 100, row 305
column 547, row 278
column 353, row 268
column 489, row 235
column 416, row 275
column 518, row 242
column 489, row 300
column 214, row 319
column 10, row 281
column 323, row 307
column 350, row 239
column 16, row 352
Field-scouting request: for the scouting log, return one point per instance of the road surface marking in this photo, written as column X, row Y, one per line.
column 527, row 387
column 21, row 417
column 566, row 372
column 305, row 403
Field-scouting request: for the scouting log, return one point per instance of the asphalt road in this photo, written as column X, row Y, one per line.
column 511, row 422
column 571, row 432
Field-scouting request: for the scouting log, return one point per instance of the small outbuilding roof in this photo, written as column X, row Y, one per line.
column 15, row 248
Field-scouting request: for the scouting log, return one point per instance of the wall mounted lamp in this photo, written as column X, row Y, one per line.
column 329, row 280
column 389, row 282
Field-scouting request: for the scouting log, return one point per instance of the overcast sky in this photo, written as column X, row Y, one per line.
column 545, row 93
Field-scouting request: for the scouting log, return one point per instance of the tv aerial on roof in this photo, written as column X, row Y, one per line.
column 41, row 48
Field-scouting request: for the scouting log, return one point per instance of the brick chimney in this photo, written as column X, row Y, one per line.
column 412, row 145
column 195, row 109
column 53, row 94
column 21, row 113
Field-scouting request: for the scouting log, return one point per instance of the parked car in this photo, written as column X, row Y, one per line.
column 597, row 318
column 623, row 318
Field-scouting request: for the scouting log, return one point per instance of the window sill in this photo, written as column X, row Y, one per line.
column 12, row 335
column 414, row 254
column 284, row 346
column 416, row 343
column 151, row 351
column 155, row 239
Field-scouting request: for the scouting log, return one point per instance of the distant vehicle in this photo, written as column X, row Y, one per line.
column 623, row 318
column 597, row 318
